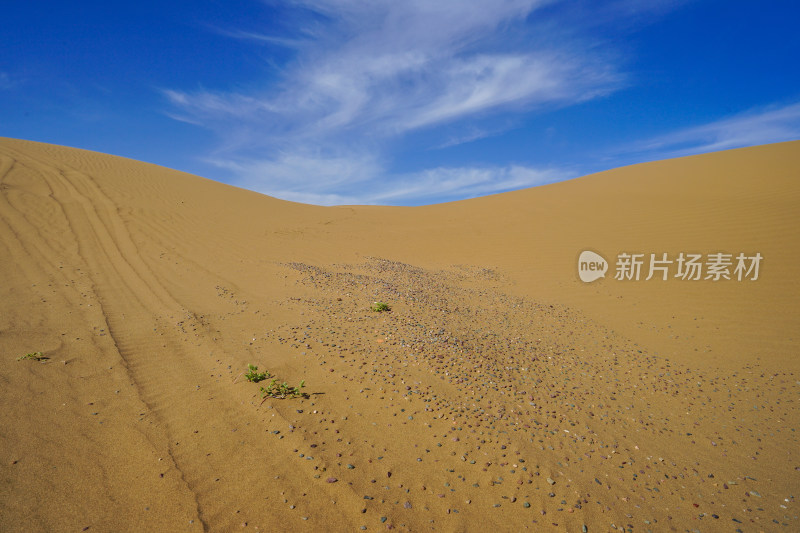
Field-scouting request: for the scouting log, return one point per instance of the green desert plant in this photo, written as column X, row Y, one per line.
column 282, row 390
column 380, row 307
column 254, row 375
column 36, row 356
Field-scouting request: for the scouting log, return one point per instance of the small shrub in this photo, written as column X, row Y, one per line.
column 283, row 390
column 254, row 375
column 36, row 356
column 380, row 307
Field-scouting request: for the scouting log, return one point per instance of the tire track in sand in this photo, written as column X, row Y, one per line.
column 211, row 447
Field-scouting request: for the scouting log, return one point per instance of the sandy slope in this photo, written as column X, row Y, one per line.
column 500, row 391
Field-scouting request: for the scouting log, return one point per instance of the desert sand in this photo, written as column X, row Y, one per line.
column 500, row 392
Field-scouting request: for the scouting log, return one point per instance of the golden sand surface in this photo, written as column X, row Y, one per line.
column 500, row 391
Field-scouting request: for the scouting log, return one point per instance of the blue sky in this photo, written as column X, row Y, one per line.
column 399, row 102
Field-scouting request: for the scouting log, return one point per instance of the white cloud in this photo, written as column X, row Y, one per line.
column 434, row 185
column 486, row 82
column 392, row 66
column 751, row 128
column 211, row 106
column 366, row 74
column 359, row 179
column 301, row 172
column 467, row 135
column 259, row 37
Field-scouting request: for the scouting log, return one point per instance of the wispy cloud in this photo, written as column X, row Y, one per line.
column 467, row 135
column 434, row 185
column 302, row 171
column 391, row 67
column 351, row 179
column 258, row 37
column 367, row 74
column 753, row 127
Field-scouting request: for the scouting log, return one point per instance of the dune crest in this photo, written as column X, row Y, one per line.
column 498, row 391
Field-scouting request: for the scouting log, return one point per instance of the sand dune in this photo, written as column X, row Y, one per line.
column 499, row 392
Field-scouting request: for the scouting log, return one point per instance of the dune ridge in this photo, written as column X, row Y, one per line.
column 500, row 391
